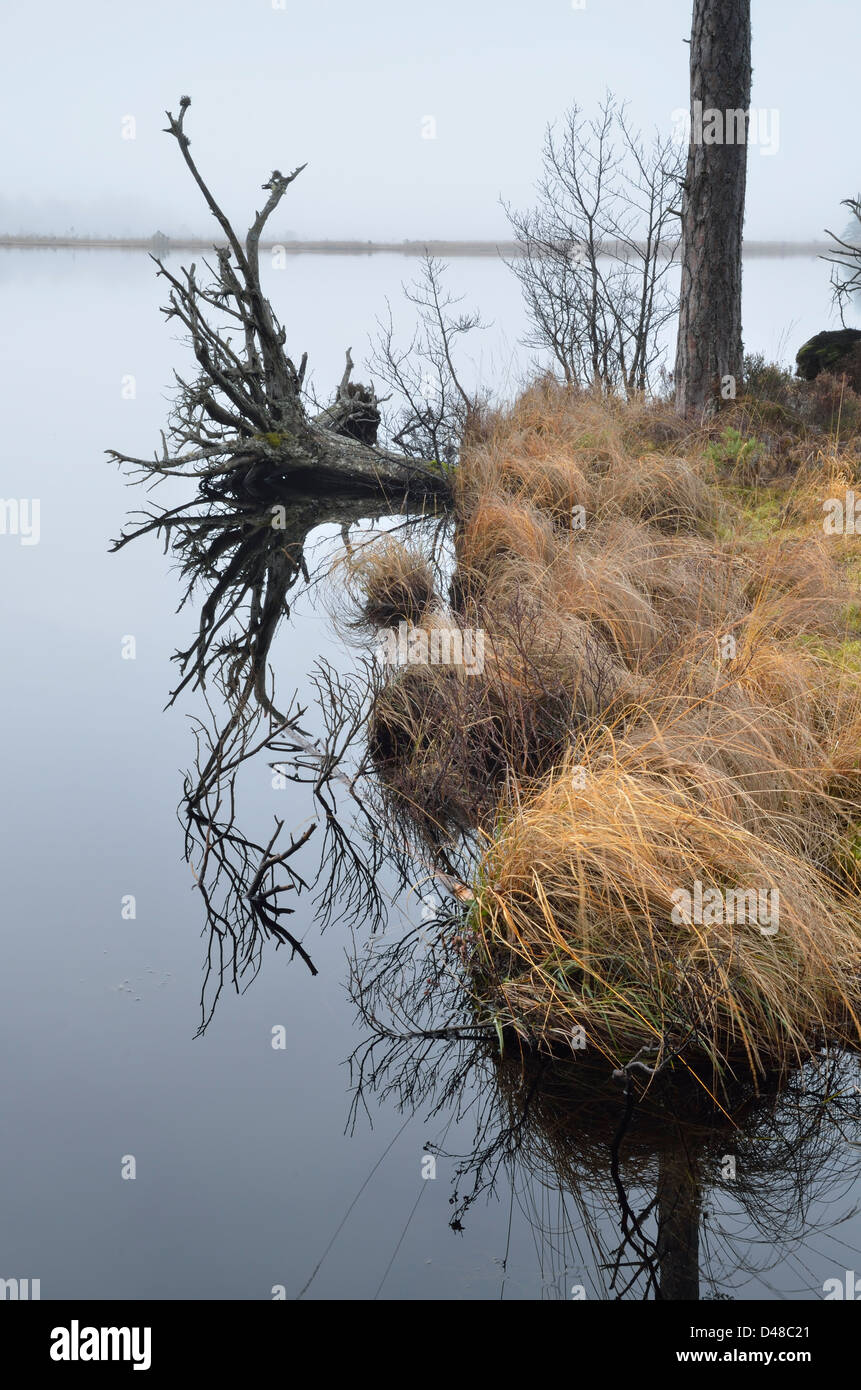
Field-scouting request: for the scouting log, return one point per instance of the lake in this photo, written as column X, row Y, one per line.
column 252, row 1173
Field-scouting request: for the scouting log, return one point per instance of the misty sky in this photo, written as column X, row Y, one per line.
column 347, row 87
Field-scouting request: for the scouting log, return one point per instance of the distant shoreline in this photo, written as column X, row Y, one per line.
column 163, row 246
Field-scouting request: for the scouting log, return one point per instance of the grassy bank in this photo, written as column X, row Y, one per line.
column 670, row 704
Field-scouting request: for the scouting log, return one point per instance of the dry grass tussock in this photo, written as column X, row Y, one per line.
column 665, row 702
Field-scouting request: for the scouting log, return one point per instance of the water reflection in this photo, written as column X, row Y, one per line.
column 248, row 561
column 631, row 1190
column 671, row 1186
column 677, row 1186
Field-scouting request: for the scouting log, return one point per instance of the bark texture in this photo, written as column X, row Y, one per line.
column 709, row 343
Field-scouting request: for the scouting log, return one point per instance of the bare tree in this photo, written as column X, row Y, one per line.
column 435, row 411
column 845, row 256
column 242, row 424
column 598, row 246
column 709, row 346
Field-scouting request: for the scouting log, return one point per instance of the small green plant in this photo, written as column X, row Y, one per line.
column 733, row 453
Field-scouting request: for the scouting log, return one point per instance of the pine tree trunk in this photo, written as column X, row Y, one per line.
column 709, row 343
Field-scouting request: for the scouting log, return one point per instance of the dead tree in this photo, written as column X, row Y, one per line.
column 709, row 346
column 845, row 256
column 241, row 427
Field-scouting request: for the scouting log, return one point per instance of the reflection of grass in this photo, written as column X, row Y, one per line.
column 606, row 653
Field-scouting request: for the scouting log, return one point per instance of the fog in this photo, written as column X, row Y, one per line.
column 358, row 91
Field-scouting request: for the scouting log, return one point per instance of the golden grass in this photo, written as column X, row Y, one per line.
column 574, row 915
column 390, row 583
column 669, row 698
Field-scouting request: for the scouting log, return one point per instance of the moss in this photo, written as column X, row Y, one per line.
column 757, row 515
column 847, row 854
column 852, row 616
column 276, row 439
column 763, row 513
column 844, row 653
column 826, row 350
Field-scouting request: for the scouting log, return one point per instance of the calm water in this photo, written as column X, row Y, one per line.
column 244, row 1172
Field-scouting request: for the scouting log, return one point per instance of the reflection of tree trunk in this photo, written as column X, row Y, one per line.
column 678, row 1225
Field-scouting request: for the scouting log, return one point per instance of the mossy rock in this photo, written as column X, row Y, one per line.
column 826, row 352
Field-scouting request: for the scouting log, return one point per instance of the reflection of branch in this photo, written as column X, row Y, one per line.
column 259, row 896
column 238, row 878
column 249, row 567
column 651, row 1255
column 348, row 874
column 633, row 1235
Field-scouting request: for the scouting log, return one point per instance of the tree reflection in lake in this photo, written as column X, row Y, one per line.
column 248, row 563
column 670, row 1186
column 632, row 1189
